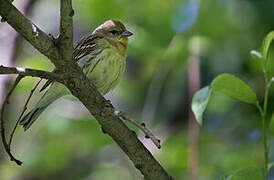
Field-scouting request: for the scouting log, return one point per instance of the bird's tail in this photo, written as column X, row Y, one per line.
column 56, row 91
column 31, row 117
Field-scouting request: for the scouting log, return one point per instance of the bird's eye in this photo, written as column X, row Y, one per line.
column 114, row 32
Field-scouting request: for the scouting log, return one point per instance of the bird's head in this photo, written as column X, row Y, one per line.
column 114, row 31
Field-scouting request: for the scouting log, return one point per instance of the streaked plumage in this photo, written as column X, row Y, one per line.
column 102, row 57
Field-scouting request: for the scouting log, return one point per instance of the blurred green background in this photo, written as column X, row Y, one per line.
column 67, row 143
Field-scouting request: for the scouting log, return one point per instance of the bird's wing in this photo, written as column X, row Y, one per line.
column 85, row 46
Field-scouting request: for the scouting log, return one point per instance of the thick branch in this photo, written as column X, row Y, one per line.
column 66, row 30
column 111, row 124
column 31, row 72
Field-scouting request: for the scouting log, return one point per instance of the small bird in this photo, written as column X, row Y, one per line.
column 102, row 57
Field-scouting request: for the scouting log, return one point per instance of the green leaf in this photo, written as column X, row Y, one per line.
column 234, row 87
column 11, row 1
column 199, row 103
column 266, row 43
column 249, row 173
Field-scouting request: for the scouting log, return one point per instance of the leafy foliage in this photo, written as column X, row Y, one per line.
column 199, row 103
column 267, row 41
column 238, row 89
column 234, row 87
column 227, row 84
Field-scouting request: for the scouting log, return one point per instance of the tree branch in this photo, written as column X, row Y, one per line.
column 66, row 30
column 103, row 111
column 83, row 89
column 31, row 72
column 3, row 134
column 142, row 127
column 22, row 113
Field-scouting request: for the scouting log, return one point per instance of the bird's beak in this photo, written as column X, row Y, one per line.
column 127, row 33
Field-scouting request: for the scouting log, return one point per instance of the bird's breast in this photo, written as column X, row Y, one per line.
column 106, row 69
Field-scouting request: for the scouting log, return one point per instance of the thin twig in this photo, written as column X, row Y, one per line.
column 31, row 72
column 141, row 126
column 6, row 101
column 24, row 110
